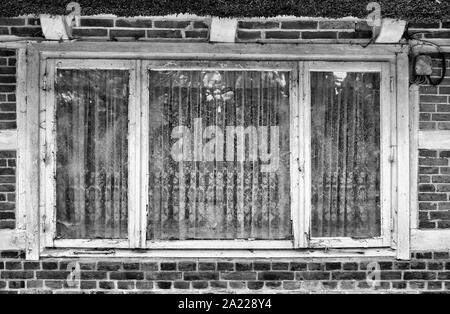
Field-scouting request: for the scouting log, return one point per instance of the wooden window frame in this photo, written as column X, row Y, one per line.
column 32, row 144
column 387, row 151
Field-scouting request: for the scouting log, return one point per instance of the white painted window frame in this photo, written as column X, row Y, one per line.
column 32, row 141
column 387, row 151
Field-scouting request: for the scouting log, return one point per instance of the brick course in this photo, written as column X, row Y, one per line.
column 425, row 272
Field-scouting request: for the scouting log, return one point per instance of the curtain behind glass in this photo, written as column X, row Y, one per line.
column 226, row 197
column 345, row 152
column 92, row 153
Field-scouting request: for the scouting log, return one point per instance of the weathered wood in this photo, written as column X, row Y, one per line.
column 12, row 240
column 403, row 155
column 414, row 154
column 32, row 156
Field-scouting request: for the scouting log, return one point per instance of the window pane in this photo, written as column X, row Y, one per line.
column 91, row 169
column 345, row 152
column 219, row 155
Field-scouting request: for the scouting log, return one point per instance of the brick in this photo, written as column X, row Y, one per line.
column 27, row 31
column 258, row 24
column 337, row 24
column 424, row 255
column 442, row 215
column 443, row 126
column 227, row 266
column 243, row 266
column 434, row 285
column 419, row 275
column 427, row 126
column 441, row 255
column 167, row 33
column 443, row 224
column 13, row 265
column 333, row 266
column 319, row 35
column 427, row 188
column 390, row 275
column 275, row 275
column 181, row 285
column 31, row 265
column 316, row 275
column 299, row 25
column 109, row 266
column 428, row 170
column 126, row 285
column 444, row 35
column 34, row 284
column 432, row 197
column 280, row 266
column 282, row 35
column 443, row 108
column 90, row 32
column 196, row 34
column 417, row 265
column 107, row 285
column 131, row 266
column 238, row 275
column 52, row 274
column 237, row 284
column 187, row 266
column 355, row 35
column 17, row 274
column 199, row 285
column 88, row 285
column 261, row 265
column 16, row 284
column 399, row 285
column 352, row 275
column 164, row 284
column 218, row 284
column 243, row 35
column 440, row 117
column 135, row 23
column 49, row 265
column 7, row 79
column 90, row 275
column 433, row 161
column 126, row 275
column 7, row 89
column 200, row 24
column 273, row 284
column 207, row 266
column 426, row 225
column 144, row 285
column 201, row 275
column 12, row 21
column 168, row 266
column 163, row 275
column 96, row 22
column 255, row 285
column 297, row 266
column 172, row 24
column 316, row 266
column 149, row 266
column 134, row 33
column 4, row 31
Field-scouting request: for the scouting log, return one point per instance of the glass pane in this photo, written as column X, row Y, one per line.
column 345, row 152
column 92, row 153
column 219, row 155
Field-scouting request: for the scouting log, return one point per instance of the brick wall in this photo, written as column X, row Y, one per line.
column 7, row 121
column 197, row 29
column 435, row 100
column 7, row 89
column 426, row 272
column 434, row 189
column 7, row 189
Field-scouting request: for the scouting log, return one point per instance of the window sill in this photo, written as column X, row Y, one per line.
column 345, row 254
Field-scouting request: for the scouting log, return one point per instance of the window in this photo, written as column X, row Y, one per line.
column 227, row 153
